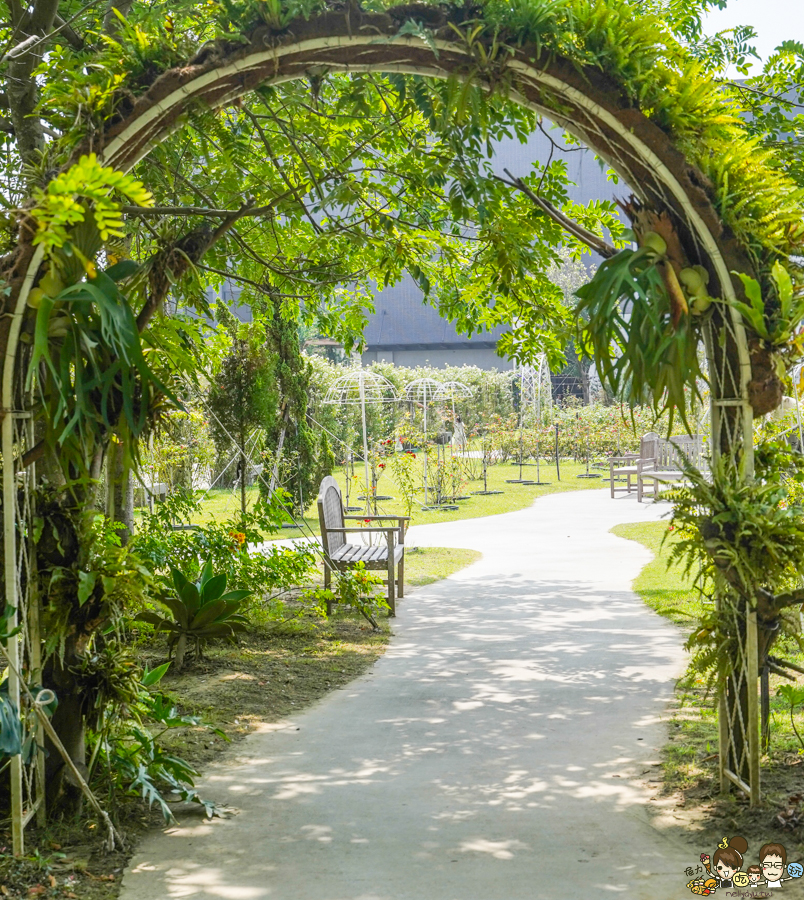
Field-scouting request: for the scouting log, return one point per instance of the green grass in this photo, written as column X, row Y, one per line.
column 665, row 589
column 689, row 759
column 426, row 565
column 224, row 504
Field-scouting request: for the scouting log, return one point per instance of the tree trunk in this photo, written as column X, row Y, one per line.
column 120, row 494
column 69, row 723
column 243, row 488
column 181, row 649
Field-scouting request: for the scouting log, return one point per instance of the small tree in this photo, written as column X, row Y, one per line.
column 292, row 449
column 242, row 398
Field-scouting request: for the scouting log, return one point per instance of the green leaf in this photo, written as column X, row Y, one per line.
column 178, row 608
column 208, row 613
column 237, row 595
column 86, row 585
column 179, row 581
column 10, row 725
column 122, row 270
column 784, row 285
column 154, row 676
column 206, row 572
column 151, row 618
column 191, row 598
column 213, row 588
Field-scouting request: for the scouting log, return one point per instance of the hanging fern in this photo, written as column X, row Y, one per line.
column 626, row 321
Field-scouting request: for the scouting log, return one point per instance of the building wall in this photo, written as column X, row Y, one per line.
column 482, row 357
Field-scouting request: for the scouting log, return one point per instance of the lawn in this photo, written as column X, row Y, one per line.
column 222, row 504
column 663, row 587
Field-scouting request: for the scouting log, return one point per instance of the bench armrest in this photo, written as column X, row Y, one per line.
column 363, row 518
column 361, row 530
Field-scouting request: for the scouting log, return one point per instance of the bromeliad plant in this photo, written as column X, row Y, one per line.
column 202, row 611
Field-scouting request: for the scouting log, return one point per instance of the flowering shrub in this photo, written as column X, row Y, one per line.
column 236, row 549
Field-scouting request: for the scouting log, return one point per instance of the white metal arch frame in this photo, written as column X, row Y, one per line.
column 584, row 102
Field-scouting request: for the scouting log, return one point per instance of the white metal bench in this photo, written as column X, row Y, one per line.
column 340, row 555
column 666, row 467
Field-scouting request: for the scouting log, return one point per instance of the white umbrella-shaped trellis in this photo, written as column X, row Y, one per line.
column 530, row 379
column 362, row 386
column 423, row 390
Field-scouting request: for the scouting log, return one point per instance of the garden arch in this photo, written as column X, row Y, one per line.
column 435, row 42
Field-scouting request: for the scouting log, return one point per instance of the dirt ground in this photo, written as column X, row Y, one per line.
column 272, row 673
column 688, row 787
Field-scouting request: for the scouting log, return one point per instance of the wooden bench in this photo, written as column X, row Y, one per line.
column 630, row 464
column 666, row 467
column 341, row 555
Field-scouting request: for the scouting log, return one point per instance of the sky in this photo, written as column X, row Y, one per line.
column 773, row 20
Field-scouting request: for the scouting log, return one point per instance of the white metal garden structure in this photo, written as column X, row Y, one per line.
column 362, row 386
column 424, row 391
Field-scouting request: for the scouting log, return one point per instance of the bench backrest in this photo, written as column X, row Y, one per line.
column 330, row 515
column 691, row 446
column 649, row 445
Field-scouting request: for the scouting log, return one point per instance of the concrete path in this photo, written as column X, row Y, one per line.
column 493, row 753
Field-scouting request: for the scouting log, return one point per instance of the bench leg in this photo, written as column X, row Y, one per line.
column 400, row 578
column 327, row 582
column 391, row 586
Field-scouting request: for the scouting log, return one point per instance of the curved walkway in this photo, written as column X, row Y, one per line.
column 493, row 753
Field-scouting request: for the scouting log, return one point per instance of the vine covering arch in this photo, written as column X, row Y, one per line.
column 656, row 125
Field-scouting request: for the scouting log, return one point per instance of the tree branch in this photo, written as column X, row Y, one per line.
column 148, row 211
column 74, row 39
column 21, row 87
column 569, row 225
column 111, row 22
column 171, row 264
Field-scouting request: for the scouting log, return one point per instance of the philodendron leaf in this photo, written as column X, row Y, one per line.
column 206, row 573
column 178, row 580
column 191, row 598
column 151, row 618
column 178, row 608
column 236, row 595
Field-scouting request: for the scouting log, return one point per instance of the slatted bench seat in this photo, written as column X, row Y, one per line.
column 666, row 468
column 341, row 555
